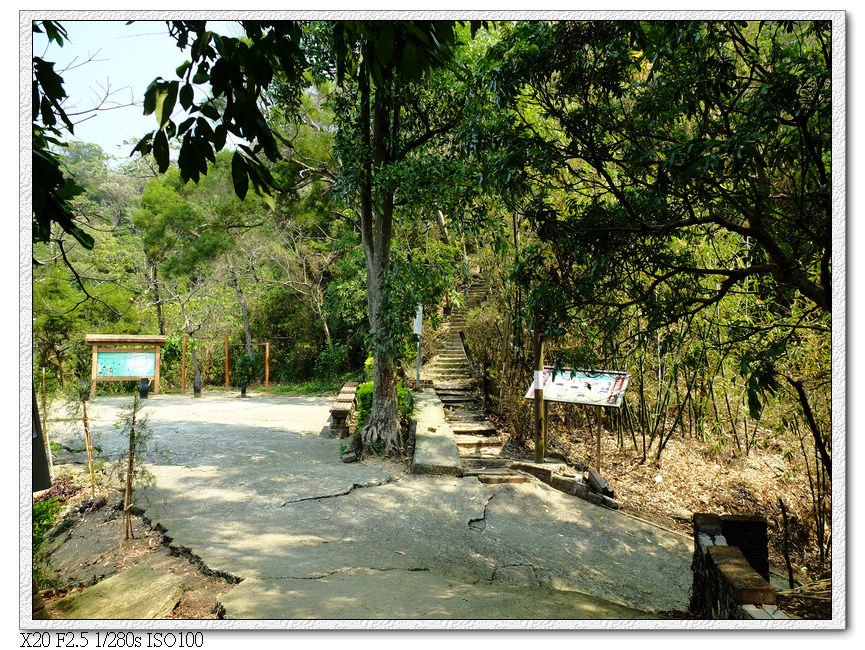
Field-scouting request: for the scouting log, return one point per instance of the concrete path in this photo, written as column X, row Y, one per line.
column 253, row 489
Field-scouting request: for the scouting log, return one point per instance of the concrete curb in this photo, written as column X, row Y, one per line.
column 436, row 451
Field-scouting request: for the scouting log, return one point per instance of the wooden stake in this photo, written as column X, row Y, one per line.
column 227, row 384
column 267, row 366
column 183, row 364
column 158, row 352
column 598, row 448
column 540, row 432
column 94, row 367
column 89, row 445
column 126, row 528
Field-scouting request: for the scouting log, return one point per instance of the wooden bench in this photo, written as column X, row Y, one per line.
column 342, row 409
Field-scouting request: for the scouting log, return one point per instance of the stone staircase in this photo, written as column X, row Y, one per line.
column 455, row 383
column 465, row 443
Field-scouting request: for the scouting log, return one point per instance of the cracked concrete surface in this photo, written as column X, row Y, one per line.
column 251, row 488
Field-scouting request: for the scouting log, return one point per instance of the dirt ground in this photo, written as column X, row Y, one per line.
column 95, row 524
column 691, row 479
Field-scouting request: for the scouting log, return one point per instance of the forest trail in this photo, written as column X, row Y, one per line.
column 456, row 384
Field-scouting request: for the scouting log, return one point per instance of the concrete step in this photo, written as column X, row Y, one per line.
column 486, row 464
column 490, row 453
column 453, row 401
column 458, row 392
column 447, row 375
column 455, row 417
column 476, row 443
column 454, row 384
column 498, row 478
column 473, row 428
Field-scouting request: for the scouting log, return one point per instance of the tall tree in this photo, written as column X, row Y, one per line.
column 372, row 63
column 673, row 166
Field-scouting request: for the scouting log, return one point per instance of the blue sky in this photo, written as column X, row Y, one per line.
column 111, row 55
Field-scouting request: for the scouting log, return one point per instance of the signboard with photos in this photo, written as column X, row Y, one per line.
column 578, row 386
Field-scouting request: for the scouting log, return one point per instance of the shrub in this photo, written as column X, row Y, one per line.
column 44, row 517
column 332, row 361
column 245, row 368
column 404, row 402
column 364, row 402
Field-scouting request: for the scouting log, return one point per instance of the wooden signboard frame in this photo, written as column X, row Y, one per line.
column 617, row 380
column 124, row 343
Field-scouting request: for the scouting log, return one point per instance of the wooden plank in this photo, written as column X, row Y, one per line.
column 126, row 339
column 129, row 378
column 158, row 350
column 129, row 348
column 94, row 367
column 599, row 484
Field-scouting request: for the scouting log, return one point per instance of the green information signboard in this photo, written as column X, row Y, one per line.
column 126, row 364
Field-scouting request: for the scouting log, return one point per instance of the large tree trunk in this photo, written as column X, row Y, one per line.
column 381, row 432
column 382, row 429
column 153, row 281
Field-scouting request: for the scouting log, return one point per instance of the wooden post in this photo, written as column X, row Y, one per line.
column 89, row 444
column 126, row 528
column 598, row 441
column 94, row 367
column 158, row 352
column 267, row 366
column 540, row 433
column 183, row 364
column 227, row 383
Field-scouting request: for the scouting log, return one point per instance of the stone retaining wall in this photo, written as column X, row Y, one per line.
column 727, row 581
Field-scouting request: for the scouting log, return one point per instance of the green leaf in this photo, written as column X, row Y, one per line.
column 185, row 125
column 160, row 151
column 209, row 110
column 166, row 98
column 219, row 135
column 186, row 96
column 150, row 96
column 239, row 175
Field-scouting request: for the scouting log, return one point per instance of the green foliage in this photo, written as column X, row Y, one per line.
column 364, row 402
column 653, row 169
column 244, row 368
column 53, row 190
column 44, row 517
column 332, row 361
column 364, row 397
column 314, row 386
column 133, row 419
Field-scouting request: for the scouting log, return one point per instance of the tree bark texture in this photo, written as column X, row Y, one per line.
column 153, row 280
column 381, row 432
column 244, row 312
